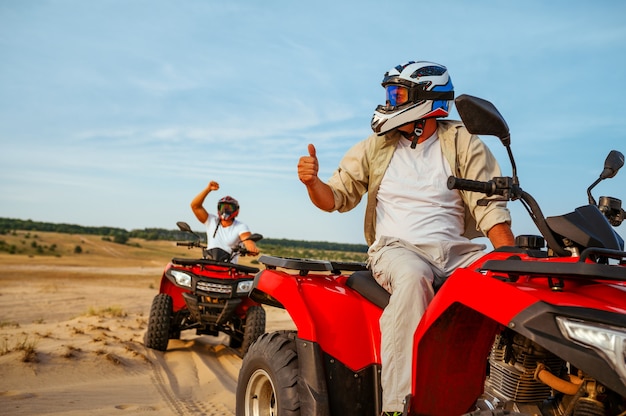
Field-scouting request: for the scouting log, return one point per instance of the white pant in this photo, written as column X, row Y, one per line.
column 408, row 273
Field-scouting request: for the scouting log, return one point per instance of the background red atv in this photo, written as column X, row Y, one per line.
column 525, row 330
column 208, row 294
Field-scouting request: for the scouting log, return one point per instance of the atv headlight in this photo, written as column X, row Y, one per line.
column 181, row 278
column 245, row 286
column 609, row 341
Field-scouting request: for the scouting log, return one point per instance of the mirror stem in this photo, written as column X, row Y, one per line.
column 513, row 166
column 592, row 201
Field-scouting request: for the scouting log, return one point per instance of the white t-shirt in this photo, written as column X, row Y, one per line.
column 414, row 202
column 226, row 237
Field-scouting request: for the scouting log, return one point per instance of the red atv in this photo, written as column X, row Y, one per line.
column 525, row 330
column 209, row 294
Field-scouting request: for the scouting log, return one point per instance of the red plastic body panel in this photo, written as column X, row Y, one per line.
column 326, row 311
column 455, row 335
column 454, row 339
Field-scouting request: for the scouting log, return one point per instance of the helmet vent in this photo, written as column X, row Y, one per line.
column 400, row 68
column 428, row 71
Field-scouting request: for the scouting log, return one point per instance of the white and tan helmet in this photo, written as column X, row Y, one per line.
column 415, row 91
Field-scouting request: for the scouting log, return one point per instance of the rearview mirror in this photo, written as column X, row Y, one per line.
column 482, row 118
column 254, row 237
column 183, row 226
column 614, row 162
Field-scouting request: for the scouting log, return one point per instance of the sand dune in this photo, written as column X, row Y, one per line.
column 71, row 343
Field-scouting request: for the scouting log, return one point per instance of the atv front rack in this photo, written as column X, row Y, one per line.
column 208, row 262
column 304, row 266
column 580, row 269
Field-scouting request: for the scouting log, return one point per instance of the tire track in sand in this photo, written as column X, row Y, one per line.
column 195, row 377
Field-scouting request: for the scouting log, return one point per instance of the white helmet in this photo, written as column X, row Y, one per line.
column 415, row 91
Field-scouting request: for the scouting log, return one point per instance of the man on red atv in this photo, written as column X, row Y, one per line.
column 223, row 231
column 418, row 230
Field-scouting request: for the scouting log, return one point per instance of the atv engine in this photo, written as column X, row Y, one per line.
column 513, row 363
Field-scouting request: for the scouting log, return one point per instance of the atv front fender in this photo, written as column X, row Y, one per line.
column 325, row 311
column 176, row 292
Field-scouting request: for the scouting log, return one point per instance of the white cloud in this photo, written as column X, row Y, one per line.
column 138, row 103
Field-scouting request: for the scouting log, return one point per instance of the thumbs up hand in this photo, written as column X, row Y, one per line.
column 308, row 167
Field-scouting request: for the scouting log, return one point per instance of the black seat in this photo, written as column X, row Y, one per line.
column 363, row 282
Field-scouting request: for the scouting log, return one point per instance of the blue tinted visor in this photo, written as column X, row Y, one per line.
column 396, row 95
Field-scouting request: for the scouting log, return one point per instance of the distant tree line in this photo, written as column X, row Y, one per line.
column 120, row 235
column 315, row 245
column 8, row 224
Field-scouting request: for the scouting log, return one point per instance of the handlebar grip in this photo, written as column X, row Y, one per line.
column 487, row 188
column 185, row 243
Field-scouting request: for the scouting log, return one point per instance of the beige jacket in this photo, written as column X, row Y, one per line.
column 362, row 168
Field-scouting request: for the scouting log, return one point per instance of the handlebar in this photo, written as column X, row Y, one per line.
column 488, row 188
column 510, row 191
column 242, row 251
column 237, row 250
column 189, row 244
column 612, row 210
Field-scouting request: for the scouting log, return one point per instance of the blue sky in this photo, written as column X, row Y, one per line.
column 117, row 113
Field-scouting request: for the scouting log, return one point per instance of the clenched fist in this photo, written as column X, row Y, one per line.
column 213, row 186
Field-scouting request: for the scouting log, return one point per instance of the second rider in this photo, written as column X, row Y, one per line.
column 223, row 231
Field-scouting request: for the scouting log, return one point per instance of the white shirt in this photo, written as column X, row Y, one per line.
column 414, row 202
column 226, row 237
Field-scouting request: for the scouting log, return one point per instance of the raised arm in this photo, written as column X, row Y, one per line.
column 249, row 244
column 197, row 203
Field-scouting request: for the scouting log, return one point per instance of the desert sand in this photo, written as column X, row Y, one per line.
column 71, row 343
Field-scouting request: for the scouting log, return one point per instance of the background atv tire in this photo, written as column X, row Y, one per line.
column 248, row 330
column 160, row 322
column 177, row 322
column 254, row 327
column 269, row 376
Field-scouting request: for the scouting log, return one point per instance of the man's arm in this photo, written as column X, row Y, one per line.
column 501, row 235
column 249, row 244
column 320, row 193
column 196, row 204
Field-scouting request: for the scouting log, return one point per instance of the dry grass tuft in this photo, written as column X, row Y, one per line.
column 108, row 312
column 71, row 352
column 114, row 359
column 100, row 351
column 98, row 328
column 30, row 356
column 25, row 345
column 9, row 324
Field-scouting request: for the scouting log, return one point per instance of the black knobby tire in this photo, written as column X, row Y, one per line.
column 237, row 336
column 268, row 379
column 254, row 327
column 160, row 322
column 177, row 320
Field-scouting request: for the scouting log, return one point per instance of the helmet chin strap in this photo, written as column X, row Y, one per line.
column 418, row 130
